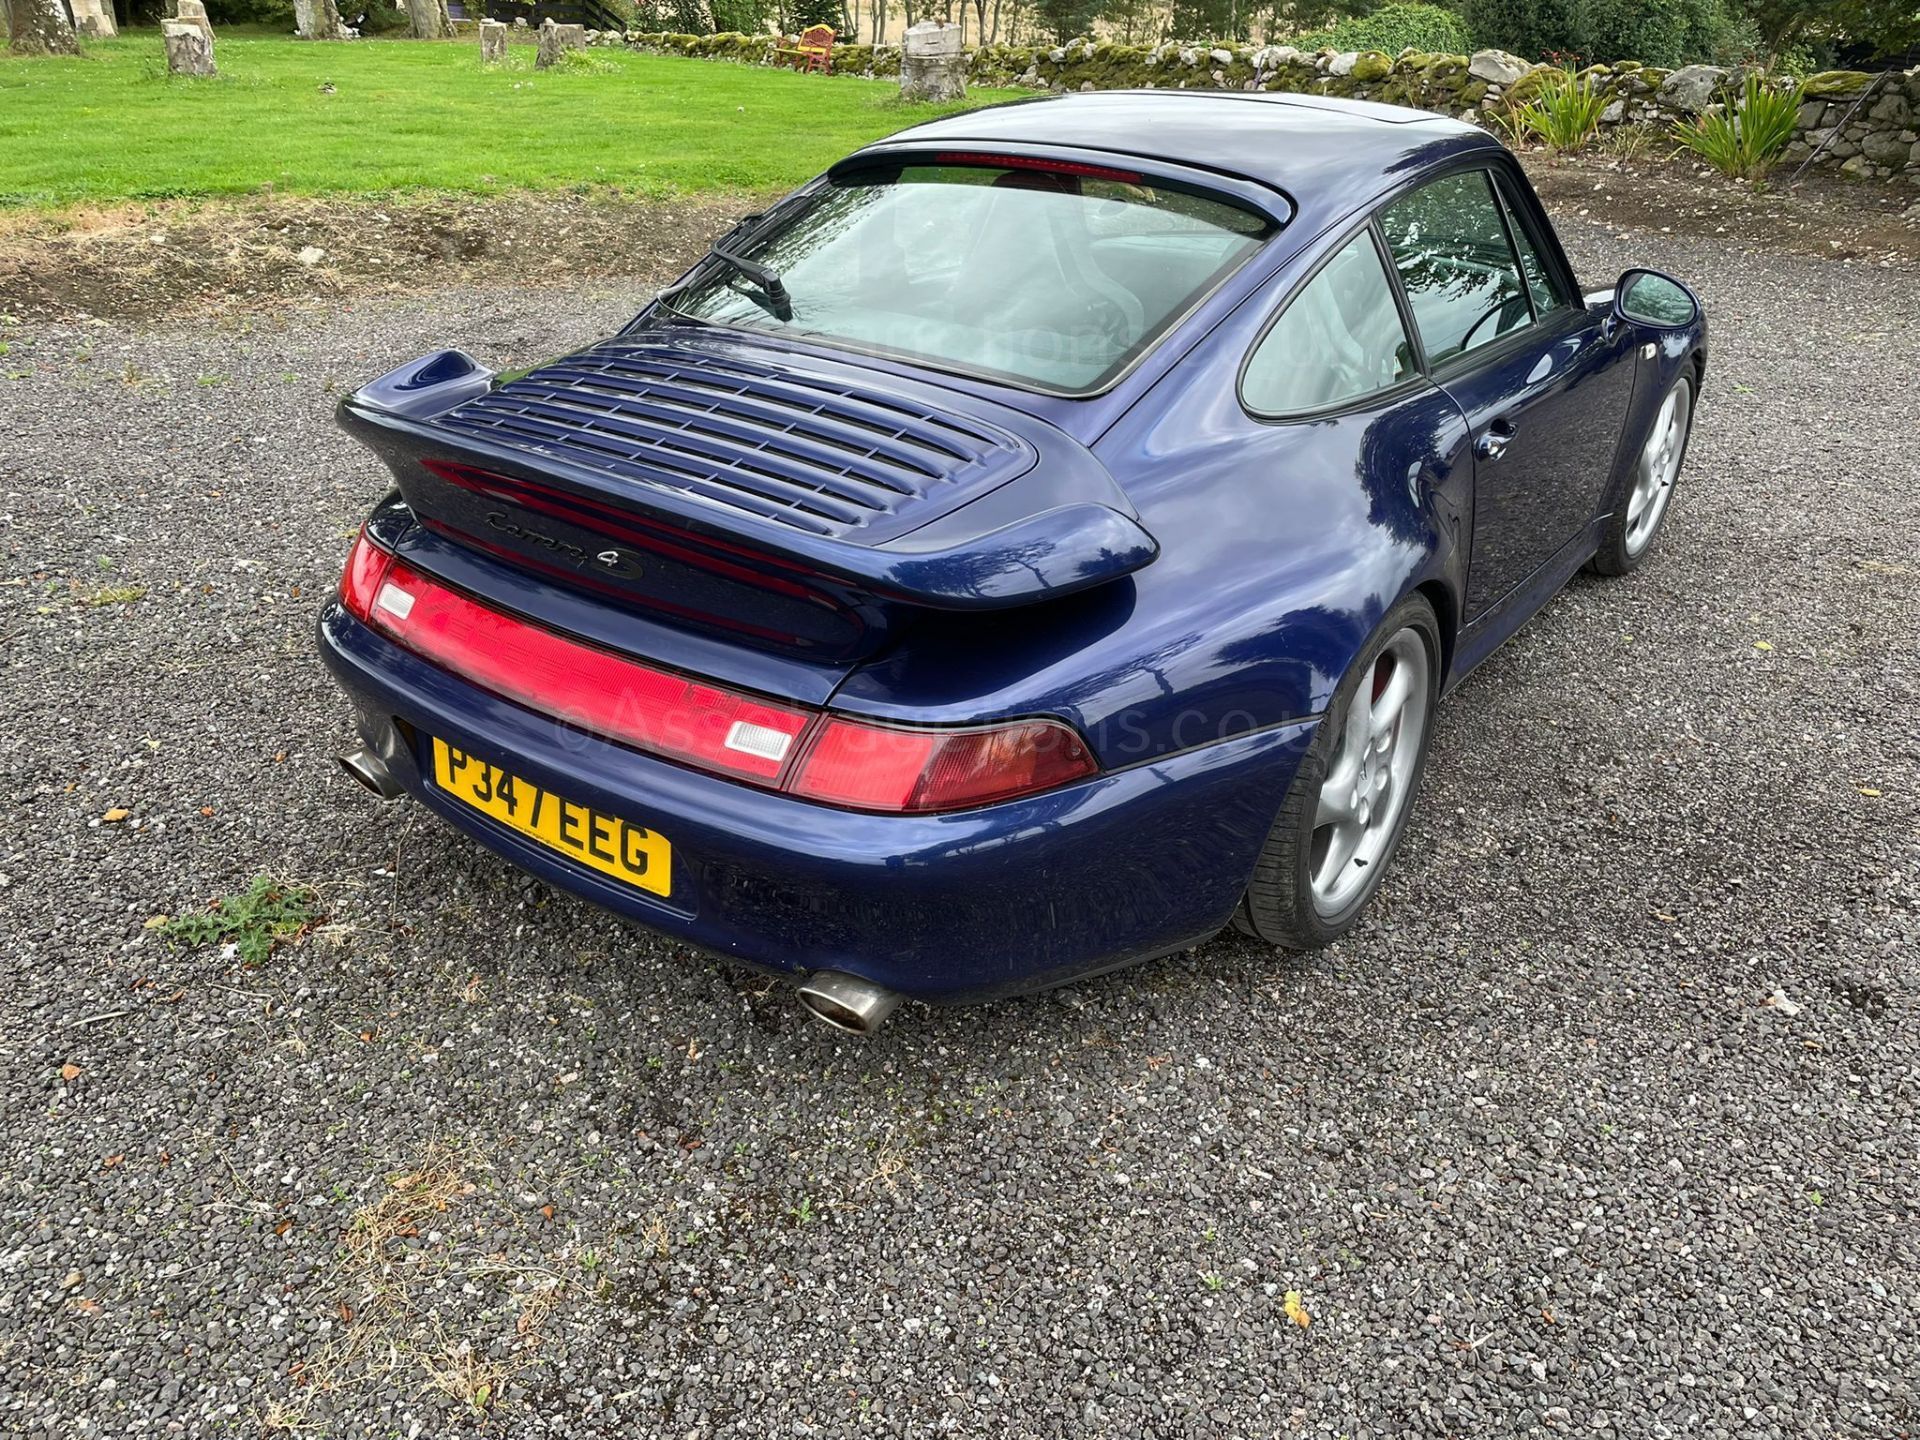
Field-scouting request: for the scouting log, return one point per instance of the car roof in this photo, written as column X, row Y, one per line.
column 1325, row 153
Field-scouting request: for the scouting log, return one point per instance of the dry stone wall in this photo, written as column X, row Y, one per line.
column 1864, row 125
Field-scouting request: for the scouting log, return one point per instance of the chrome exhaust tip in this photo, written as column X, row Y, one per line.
column 846, row 1002
column 368, row 770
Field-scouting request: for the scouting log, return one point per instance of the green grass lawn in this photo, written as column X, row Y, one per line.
column 411, row 115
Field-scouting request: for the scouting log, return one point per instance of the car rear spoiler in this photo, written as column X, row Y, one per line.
column 1059, row 526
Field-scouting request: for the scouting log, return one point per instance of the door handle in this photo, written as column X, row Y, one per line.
column 1493, row 444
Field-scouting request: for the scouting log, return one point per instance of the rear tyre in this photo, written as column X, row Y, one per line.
column 1343, row 817
column 1643, row 505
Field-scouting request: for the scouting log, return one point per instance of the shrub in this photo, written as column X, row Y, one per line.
column 1393, row 28
column 737, row 17
column 1745, row 137
column 375, row 18
column 795, row 15
column 274, row 14
column 1666, row 33
column 1565, row 112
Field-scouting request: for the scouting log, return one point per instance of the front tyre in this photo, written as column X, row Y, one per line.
column 1344, row 814
column 1643, row 508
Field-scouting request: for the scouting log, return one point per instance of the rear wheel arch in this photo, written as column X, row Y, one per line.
column 1446, row 612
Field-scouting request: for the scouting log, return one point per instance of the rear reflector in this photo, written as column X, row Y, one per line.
column 823, row 757
column 360, row 582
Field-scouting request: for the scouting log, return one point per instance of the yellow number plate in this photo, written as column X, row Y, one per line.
column 609, row 844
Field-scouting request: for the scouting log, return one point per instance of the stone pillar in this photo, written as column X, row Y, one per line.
column 555, row 41
column 93, row 19
column 40, row 27
column 932, row 64
column 319, row 20
column 493, row 42
column 428, row 19
column 194, row 13
column 189, row 46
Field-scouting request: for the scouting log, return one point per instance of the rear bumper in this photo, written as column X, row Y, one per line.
column 945, row 907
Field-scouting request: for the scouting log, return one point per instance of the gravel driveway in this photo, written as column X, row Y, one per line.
column 1533, row 1148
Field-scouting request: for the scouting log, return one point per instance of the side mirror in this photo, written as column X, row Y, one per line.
column 1647, row 297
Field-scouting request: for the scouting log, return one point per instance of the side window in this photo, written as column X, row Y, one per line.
column 1450, row 247
column 1339, row 338
column 1532, row 264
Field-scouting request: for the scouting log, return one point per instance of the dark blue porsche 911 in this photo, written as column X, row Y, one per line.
column 1031, row 546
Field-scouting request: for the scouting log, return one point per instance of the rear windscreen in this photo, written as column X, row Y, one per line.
column 1048, row 277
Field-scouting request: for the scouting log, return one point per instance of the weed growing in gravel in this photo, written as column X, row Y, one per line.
column 1628, row 142
column 263, row 915
column 115, row 595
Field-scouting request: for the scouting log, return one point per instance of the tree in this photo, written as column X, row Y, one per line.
column 1870, row 27
column 1064, row 19
column 41, row 27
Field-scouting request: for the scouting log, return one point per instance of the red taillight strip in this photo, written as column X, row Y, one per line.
column 830, row 758
column 586, row 687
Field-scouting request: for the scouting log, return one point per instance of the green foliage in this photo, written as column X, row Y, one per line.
column 1064, row 19
column 1393, row 28
column 627, row 10
column 253, row 922
column 274, row 14
column 799, row 15
column 737, row 17
column 1862, row 30
column 584, row 62
column 1565, row 113
column 1666, row 33
column 378, row 19
column 1743, row 139
column 677, row 17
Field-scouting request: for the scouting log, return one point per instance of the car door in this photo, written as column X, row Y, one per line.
column 1538, row 377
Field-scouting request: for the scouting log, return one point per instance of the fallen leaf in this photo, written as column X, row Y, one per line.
column 70, row 1072
column 74, row 1277
column 87, row 1306
column 346, row 1313
column 206, row 809
column 547, row 1210
column 1761, row 645
column 283, row 1227
column 154, row 922
column 1296, row 1309
column 111, row 1161
column 116, row 815
column 1868, row 790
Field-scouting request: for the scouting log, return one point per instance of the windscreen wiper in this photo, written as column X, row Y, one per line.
column 773, row 297
column 764, row 276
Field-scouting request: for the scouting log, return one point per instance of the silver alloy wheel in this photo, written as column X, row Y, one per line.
column 1370, row 778
column 1659, row 467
